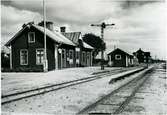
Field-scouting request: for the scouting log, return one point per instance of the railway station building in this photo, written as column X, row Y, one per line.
column 64, row 50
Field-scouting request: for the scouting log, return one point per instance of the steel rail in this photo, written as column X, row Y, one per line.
column 42, row 90
column 93, row 105
column 129, row 98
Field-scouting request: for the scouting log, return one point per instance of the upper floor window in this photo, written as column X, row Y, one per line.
column 117, row 57
column 31, row 37
column 39, row 56
column 23, row 57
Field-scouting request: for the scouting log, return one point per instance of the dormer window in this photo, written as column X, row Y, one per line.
column 31, row 37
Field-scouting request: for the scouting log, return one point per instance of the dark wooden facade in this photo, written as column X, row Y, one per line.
column 143, row 57
column 84, row 52
column 59, row 55
column 119, row 58
column 21, row 42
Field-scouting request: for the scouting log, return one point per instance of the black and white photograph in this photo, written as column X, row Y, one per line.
column 83, row 57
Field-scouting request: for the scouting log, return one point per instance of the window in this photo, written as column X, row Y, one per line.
column 88, row 55
column 117, row 57
column 63, row 57
column 83, row 56
column 77, row 55
column 23, row 57
column 67, row 54
column 63, row 53
column 31, row 37
column 71, row 57
column 88, row 58
column 39, row 56
column 71, row 54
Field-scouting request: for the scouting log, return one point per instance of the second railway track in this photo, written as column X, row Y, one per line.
column 116, row 101
column 38, row 91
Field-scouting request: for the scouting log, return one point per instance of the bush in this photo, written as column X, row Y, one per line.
column 5, row 60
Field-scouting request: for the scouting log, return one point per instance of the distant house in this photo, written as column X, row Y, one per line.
column 27, row 49
column 120, row 58
column 143, row 57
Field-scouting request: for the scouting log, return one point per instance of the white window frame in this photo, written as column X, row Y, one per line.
column 36, row 56
column 88, row 54
column 71, row 60
column 29, row 37
column 72, row 54
column 21, row 62
column 77, row 55
column 116, row 57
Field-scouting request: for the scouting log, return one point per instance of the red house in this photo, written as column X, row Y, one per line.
column 120, row 58
column 27, row 49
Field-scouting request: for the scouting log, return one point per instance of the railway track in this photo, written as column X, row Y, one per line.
column 117, row 100
column 42, row 90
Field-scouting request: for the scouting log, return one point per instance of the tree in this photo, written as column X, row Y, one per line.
column 95, row 41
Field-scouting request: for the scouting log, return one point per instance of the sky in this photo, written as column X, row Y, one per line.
column 138, row 24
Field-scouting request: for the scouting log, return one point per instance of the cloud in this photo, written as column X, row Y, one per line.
column 74, row 11
column 12, row 20
column 141, row 27
column 137, row 23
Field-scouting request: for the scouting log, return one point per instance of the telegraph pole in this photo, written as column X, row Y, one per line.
column 103, row 26
column 45, row 63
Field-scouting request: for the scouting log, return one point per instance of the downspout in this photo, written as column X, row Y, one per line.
column 11, row 67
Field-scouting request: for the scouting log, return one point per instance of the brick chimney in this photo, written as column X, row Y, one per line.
column 62, row 29
column 49, row 25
